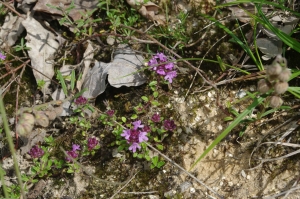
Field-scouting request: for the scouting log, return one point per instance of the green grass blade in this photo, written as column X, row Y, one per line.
column 244, row 46
column 259, row 2
column 295, row 91
column 11, row 145
column 249, row 109
column 73, row 80
column 62, row 82
column 282, row 36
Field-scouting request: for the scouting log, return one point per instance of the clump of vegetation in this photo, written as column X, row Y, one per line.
column 146, row 130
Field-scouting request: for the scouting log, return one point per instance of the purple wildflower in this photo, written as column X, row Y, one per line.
column 170, row 75
column 2, row 56
column 36, row 152
column 80, row 100
column 71, row 154
column 161, row 57
column 135, row 136
column 92, row 142
column 169, row 125
column 75, row 147
column 155, row 117
column 110, row 112
column 157, row 63
column 134, row 146
column 137, row 124
column 146, row 129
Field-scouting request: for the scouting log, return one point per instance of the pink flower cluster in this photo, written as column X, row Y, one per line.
column 36, row 152
column 159, row 65
column 73, row 153
column 80, row 100
column 135, row 135
column 2, row 56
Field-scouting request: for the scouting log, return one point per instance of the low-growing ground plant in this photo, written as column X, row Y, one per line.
column 143, row 132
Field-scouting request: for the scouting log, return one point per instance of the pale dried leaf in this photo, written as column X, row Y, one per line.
column 42, row 46
column 149, row 10
column 80, row 7
column 11, row 30
column 95, row 80
column 125, row 69
column 270, row 47
column 87, row 56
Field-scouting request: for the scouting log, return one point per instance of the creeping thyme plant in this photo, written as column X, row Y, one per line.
column 132, row 133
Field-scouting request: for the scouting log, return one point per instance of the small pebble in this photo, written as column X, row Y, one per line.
column 192, row 190
column 243, row 174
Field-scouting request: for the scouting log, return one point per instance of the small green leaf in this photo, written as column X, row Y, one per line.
column 153, row 83
column 155, row 103
column 134, row 116
column 147, row 157
column 160, row 164
column 140, row 156
column 160, row 147
column 226, row 119
column 155, row 94
column 123, row 119
column 62, row 82
column 145, row 98
column 155, row 160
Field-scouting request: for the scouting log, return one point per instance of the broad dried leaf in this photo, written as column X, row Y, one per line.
column 239, row 11
column 11, row 30
column 149, row 10
column 125, row 69
column 80, row 7
column 88, row 57
column 270, row 47
column 95, row 80
column 42, row 46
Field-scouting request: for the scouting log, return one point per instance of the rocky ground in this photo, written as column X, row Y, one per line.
column 257, row 159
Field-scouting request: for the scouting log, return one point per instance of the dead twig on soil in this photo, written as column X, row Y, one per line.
column 12, row 9
column 185, row 171
column 124, row 185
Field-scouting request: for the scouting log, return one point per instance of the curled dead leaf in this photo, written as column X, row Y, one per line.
column 50, row 114
column 149, row 10
column 41, row 119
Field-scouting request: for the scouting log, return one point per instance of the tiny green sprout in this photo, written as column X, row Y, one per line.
column 22, row 46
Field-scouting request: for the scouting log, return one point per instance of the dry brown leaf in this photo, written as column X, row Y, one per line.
column 81, row 6
column 10, row 30
column 149, row 10
column 43, row 46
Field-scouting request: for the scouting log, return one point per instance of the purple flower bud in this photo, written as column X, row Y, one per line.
column 36, row 152
column 155, row 117
column 169, row 125
column 71, row 154
column 110, row 112
column 80, row 101
column 146, row 129
column 75, row 147
column 92, row 142
column 2, row 56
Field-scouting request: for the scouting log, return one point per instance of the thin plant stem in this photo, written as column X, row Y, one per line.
column 11, row 145
column 2, row 172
